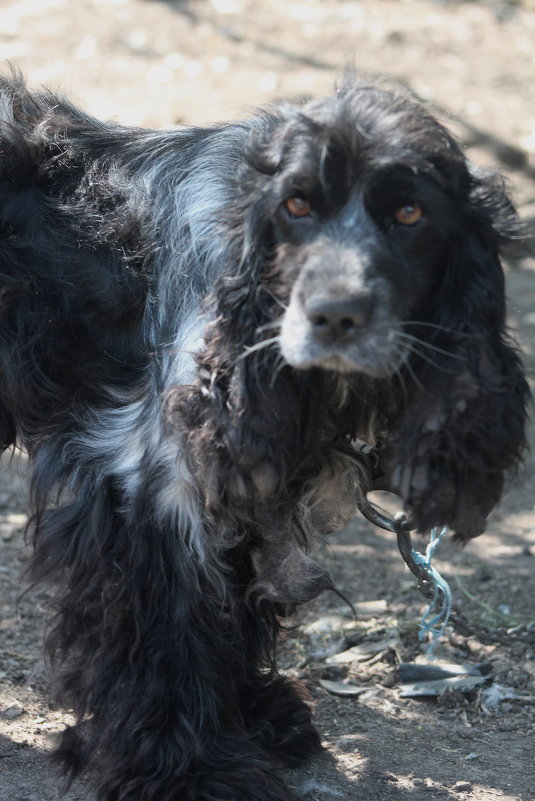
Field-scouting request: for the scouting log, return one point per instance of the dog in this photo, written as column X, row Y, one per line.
column 213, row 342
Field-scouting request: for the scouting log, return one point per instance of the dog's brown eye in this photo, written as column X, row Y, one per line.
column 409, row 214
column 297, row 207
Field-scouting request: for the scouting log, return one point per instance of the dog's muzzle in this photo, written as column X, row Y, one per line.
column 356, row 332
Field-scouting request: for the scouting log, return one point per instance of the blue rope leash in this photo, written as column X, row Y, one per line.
column 436, row 617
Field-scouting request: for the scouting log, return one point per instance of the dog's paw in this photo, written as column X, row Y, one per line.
column 435, row 495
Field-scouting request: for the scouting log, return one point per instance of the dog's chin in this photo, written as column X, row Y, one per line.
column 341, row 361
column 375, row 354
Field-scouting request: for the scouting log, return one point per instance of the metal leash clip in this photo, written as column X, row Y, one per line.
column 401, row 527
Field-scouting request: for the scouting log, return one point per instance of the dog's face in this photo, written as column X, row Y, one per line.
column 362, row 203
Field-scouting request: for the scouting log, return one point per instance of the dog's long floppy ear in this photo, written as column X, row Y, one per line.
column 463, row 428
column 7, row 429
column 244, row 399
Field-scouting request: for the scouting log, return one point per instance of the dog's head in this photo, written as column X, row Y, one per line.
column 367, row 198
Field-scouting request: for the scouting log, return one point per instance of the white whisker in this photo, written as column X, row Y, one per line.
column 267, row 326
column 436, row 326
column 277, row 300
column 266, row 343
column 422, row 343
column 278, row 367
column 401, row 355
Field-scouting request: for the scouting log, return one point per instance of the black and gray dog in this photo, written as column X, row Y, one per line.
column 199, row 329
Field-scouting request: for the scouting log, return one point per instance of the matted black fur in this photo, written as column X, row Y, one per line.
column 199, row 329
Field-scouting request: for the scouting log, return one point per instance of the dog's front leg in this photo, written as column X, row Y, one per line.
column 161, row 658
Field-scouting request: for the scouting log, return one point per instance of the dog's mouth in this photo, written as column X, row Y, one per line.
column 343, row 335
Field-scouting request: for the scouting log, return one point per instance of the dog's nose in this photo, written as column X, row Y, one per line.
column 337, row 318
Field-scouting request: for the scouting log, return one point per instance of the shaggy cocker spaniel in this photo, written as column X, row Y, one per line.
column 213, row 342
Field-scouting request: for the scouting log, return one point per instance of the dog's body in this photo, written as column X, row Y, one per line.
column 196, row 328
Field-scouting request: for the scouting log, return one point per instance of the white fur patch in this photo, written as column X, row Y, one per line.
column 128, row 441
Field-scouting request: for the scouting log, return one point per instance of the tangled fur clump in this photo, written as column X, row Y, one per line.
column 199, row 330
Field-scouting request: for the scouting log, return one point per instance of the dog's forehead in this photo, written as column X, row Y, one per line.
column 379, row 125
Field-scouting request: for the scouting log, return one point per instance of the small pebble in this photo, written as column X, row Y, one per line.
column 460, row 787
column 340, row 688
column 417, row 782
column 12, row 712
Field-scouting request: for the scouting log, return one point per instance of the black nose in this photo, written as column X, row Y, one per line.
column 336, row 318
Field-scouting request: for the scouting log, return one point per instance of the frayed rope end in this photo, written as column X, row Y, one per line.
column 435, row 618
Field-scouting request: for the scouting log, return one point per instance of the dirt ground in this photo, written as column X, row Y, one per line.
column 160, row 63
